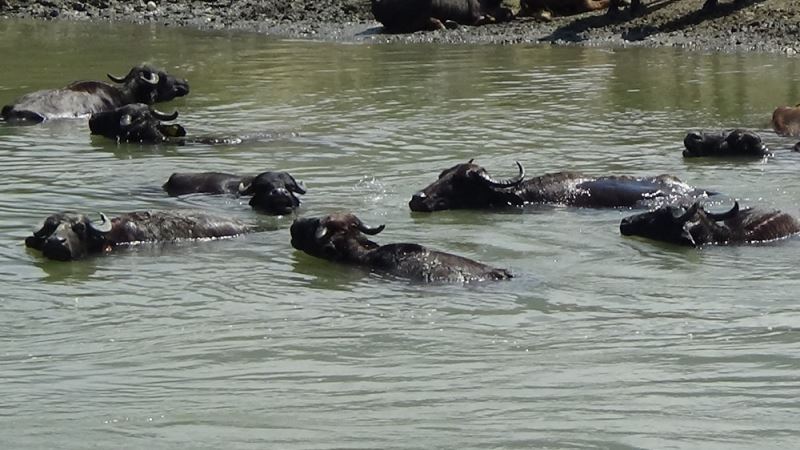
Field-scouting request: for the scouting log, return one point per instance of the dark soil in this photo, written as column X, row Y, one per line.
column 752, row 25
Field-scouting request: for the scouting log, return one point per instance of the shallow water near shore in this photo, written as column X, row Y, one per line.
column 600, row 341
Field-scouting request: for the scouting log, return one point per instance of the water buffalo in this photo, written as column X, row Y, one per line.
column 786, row 120
column 469, row 186
column 273, row 192
column 694, row 226
column 560, row 7
column 143, row 84
column 636, row 5
column 69, row 236
column 340, row 238
column 724, row 143
column 136, row 122
column 406, row 16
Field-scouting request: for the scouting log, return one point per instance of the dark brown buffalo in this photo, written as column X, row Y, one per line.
column 786, row 120
column 68, row 236
column 636, row 5
column 143, row 84
column 469, row 186
column 341, row 238
column 724, row 143
column 407, row 16
column 694, row 226
column 136, row 122
column 273, row 192
column 540, row 8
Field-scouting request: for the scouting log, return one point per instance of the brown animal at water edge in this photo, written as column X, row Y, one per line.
column 546, row 8
column 786, row 120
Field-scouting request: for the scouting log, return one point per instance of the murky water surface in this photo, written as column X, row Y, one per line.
column 600, row 341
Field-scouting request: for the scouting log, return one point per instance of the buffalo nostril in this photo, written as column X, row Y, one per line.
column 419, row 196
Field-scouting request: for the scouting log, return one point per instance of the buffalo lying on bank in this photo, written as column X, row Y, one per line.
column 469, row 186
column 694, row 226
column 406, row 16
column 542, row 8
column 786, row 120
column 69, row 236
column 341, row 238
column 636, row 5
column 724, row 143
column 273, row 192
column 143, row 84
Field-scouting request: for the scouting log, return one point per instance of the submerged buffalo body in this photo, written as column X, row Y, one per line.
column 273, row 192
column 786, row 120
column 724, row 143
column 694, row 226
column 69, row 236
column 340, row 238
column 143, row 84
column 402, row 16
column 469, row 186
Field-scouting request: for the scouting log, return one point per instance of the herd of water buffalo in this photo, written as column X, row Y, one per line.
column 403, row 16
column 123, row 111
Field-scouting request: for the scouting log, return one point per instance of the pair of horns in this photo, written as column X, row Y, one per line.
column 294, row 186
column 683, row 218
column 507, row 183
column 164, row 116
column 323, row 231
column 147, row 77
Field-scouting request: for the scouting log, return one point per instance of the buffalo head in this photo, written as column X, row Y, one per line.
column 725, row 143
column 147, row 84
column 337, row 237
column 466, row 186
column 676, row 224
column 68, row 236
column 135, row 123
column 273, row 192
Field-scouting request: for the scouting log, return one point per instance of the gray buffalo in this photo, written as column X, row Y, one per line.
column 341, row 238
column 694, row 226
column 469, row 186
column 724, row 143
column 143, row 84
column 69, row 236
column 405, row 16
column 272, row 192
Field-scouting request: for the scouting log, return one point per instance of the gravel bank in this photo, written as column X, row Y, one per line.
column 756, row 25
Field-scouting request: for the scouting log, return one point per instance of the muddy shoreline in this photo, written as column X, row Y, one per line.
column 755, row 25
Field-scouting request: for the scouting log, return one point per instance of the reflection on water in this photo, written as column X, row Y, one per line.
column 600, row 340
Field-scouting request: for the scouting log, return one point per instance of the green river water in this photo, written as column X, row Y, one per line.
column 601, row 341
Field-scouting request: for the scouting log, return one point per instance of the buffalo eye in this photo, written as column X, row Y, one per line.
column 79, row 228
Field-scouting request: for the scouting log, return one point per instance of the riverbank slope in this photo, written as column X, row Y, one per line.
column 753, row 25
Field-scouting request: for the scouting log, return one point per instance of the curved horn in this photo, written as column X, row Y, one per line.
column 470, row 160
column 163, row 116
column 688, row 214
column 726, row 215
column 360, row 226
column 298, row 187
column 504, row 183
column 243, row 188
column 104, row 226
column 116, row 79
column 152, row 79
column 321, row 232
